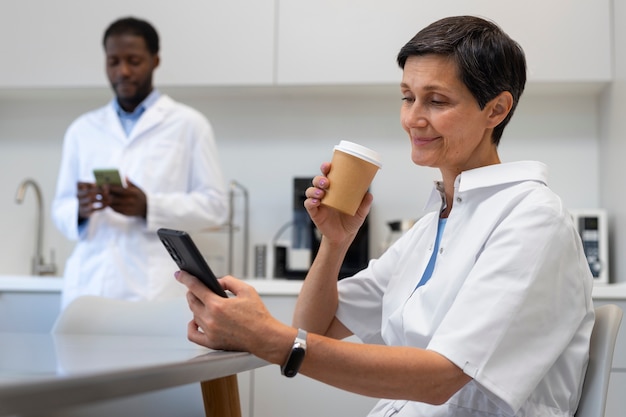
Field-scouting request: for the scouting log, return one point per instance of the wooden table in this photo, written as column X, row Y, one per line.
column 40, row 372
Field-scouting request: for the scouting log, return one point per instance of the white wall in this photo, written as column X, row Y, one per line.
column 266, row 136
column 613, row 146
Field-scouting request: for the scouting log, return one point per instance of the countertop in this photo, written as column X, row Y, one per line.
column 26, row 283
column 615, row 291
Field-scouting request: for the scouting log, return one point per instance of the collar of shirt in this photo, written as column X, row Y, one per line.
column 490, row 176
column 130, row 119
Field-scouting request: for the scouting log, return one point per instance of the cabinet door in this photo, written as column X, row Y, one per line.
column 203, row 42
column 278, row 396
column 28, row 312
column 356, row 41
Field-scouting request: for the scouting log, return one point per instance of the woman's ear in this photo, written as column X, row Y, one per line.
column 499, row 108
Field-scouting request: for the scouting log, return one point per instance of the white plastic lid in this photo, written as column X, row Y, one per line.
column 359, row 151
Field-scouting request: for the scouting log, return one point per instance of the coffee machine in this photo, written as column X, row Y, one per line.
column 292, row 259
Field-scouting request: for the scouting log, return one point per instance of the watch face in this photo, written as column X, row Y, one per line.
column 292, row 366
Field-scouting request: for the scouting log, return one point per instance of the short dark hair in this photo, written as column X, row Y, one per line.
column 488, row 60
column 137, row 27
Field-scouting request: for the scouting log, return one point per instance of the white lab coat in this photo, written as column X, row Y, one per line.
column 172, row 156
column 509, row 300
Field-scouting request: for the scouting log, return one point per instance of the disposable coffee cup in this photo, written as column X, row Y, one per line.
column 352, row 170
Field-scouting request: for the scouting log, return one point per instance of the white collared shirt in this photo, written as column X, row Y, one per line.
column 509, row 301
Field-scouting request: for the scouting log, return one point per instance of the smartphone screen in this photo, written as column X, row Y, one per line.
column 185, row 253
column 109, row 176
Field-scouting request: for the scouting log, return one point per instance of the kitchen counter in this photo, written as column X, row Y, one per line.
column 26, row 283
column 615, row 291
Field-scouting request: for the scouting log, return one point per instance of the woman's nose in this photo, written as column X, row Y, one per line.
column 414, row 116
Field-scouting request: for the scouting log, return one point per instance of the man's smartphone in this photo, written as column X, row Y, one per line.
column 185, row 253
column 109, row 176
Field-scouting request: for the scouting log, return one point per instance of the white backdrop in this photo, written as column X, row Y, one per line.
column 268, row 136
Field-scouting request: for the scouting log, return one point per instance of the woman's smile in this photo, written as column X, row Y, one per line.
column 424, row 140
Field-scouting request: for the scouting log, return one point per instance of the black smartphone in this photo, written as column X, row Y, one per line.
column 185, row 253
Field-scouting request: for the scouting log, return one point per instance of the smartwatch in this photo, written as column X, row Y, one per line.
column 292, row 365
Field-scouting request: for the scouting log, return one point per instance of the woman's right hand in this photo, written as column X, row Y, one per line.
column 333, row 224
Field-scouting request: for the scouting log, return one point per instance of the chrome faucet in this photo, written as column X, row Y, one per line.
column 39, row 267
column 231, row 226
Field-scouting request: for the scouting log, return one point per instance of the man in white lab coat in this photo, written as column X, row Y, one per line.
column 167, row 157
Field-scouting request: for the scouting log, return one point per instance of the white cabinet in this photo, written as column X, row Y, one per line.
column 27, row 311
column 356, row 41
column 277, row 396
column 203, row 42
column 287, row 42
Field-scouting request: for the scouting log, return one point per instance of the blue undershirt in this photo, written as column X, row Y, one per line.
column 431, row 263
column 129, row 120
